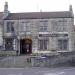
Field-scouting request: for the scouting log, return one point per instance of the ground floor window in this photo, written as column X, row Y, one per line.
column 9, row 44
column 62, row 44
column 43, row 44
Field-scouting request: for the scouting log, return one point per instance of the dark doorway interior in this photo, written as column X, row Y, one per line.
column 25, row 46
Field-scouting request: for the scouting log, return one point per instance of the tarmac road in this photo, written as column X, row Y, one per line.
column 38, row 71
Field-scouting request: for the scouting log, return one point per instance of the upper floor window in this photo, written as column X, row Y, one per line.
column 43, row 26
column 10, row 26
column 25, row 26
column 59, row 26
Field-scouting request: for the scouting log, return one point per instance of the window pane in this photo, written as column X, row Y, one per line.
column 43, row 26
column 41, row 44
column 10, row 27
column 45, row 44
column 65, row 42
column 25, row 26
column 59, row 26
column 62, row 44
column 9, row 44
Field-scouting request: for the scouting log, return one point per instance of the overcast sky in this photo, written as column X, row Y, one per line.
column 37, row 5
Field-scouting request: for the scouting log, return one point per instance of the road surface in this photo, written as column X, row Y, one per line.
column 38, row 71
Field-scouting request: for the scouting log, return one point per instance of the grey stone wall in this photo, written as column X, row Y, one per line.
column 52, row 44
column 65, row 59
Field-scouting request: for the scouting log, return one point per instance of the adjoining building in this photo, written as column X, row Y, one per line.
column 37, row 32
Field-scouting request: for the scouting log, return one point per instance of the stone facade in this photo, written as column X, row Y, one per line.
column 38, row 32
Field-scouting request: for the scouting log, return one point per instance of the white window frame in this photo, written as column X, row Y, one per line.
column 62, row 45
column 59, row 25
column 10, row 25
column 25, row 27
column 44, row 44
column 43, row 26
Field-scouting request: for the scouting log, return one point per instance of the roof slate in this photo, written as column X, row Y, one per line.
column 39, row 15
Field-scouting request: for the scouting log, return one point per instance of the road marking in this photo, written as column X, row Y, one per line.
column 16, row 74
column 42, row 72
column 60, row 73
column 12, row 74
column 13, row 68
column 54, row 73
column 69, row 69
column 49, row 74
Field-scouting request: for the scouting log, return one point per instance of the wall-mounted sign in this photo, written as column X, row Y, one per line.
column 53, row 35
column 48, row 35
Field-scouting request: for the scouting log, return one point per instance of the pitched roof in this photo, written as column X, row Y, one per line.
column 39, row 15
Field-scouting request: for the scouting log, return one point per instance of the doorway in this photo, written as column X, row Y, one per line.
column 25, row 46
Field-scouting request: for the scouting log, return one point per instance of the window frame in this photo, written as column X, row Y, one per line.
column 25, row 27
column 43, row 44
column 9, row 27
column 59, row 25
column 62, row 45
column 43, row 26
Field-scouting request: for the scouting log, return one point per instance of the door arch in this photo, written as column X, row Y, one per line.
column 25, row 46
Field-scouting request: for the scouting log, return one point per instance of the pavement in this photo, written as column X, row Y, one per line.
column 38, row 71
column 14, row 61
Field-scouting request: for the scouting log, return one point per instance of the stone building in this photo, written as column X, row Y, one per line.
column 37, row 32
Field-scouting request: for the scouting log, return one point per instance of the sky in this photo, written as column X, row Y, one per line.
column 37, row 5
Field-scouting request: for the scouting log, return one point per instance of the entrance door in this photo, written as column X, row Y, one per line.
column 25, row 46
